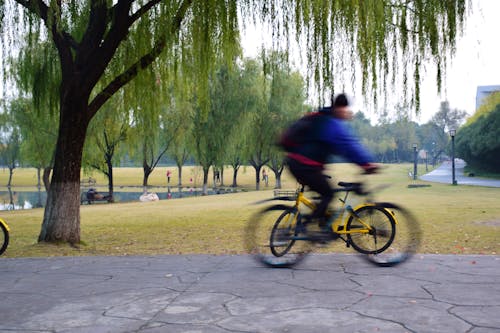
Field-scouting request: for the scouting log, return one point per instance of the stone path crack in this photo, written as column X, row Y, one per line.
column 327, row 293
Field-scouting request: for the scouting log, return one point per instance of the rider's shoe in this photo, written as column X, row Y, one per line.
column 322, row 235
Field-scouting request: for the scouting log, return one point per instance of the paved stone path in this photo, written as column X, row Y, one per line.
column 443, row 174
column 326, row 293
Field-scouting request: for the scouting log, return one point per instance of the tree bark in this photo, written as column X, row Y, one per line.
column 147, row 171
column 109, row 164
column 46, row 178
column 39, row 178
column 179, row 168
column 257, row 176
column 235, row 175
column 278, row 180
column 205, row 180
column 11, row 172
column 61, row 220
column 39, row 186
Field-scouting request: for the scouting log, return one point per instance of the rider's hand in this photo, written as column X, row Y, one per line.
column 370, row 168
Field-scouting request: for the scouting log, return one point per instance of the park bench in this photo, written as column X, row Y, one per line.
column 285, row 193
column 92, row 196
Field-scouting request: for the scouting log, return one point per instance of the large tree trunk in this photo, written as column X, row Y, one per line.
column 61, row 220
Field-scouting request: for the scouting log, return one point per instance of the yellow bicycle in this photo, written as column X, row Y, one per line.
column 282, row 235
column 4, row 236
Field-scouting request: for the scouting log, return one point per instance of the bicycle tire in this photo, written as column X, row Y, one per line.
column 407, row 239
column 282, row 235
column 263, row 241
column 5, row 238
column 380, row 238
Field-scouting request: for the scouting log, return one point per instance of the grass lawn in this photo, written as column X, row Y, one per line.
column 455, row 219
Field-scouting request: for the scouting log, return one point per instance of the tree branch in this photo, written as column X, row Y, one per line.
column 144, row 62
column 144, row 9
column 62, row 40
column 37, row 7
column 94, row 33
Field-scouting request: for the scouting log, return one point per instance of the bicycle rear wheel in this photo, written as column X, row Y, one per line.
column 271, row 236
column 4, row 238
column 382, row 232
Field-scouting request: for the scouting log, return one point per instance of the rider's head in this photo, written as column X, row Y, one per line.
column 340, row 107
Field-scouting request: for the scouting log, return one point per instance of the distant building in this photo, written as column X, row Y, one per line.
column 483, row 92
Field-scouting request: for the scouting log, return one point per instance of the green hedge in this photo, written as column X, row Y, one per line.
column 478, row 142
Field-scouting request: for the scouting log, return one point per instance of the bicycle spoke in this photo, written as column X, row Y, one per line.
column 406, row 240
column 371, row 230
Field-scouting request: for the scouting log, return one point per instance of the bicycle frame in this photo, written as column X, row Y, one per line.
column 345, row 212
column 4, row 224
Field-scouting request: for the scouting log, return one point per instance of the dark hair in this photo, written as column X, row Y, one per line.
column 340, row 100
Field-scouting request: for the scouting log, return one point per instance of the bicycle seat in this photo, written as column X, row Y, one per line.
column 355, row 187
column 345, row 184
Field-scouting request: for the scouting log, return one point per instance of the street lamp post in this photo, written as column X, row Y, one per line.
column 453, row 179
column 414, row 161
column 426, row 165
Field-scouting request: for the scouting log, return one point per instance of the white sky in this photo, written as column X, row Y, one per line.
column 476, row 63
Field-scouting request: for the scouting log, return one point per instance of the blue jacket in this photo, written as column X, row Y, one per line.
column 325, row 136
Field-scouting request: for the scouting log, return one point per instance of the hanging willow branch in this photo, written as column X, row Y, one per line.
column 381, row 42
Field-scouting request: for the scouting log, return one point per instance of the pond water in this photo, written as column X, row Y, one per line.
column 15, row 200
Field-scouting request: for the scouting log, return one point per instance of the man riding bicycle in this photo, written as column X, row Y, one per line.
column 313, row 140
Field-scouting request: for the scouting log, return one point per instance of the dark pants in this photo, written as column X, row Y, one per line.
column 314, row 178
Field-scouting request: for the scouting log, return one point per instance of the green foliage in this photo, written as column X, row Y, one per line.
column 447, row 118
column 392, row 139
column 478, row 143
column 433, row 139
column 107, row 131
column 285, row 104
column 489, row 104
column 10, row 143
column 38, row 131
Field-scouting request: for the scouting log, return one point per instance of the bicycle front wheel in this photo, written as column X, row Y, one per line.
column 272, row 237
column 4, row 238
column 371, row 229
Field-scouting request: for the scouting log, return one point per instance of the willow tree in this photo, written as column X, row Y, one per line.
column 107, row 134
column 102, row 45
column 38, row 137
